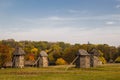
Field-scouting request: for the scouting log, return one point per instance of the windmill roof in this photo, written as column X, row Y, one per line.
column 82, row 52
column 43, row 54
column 94, row 52
column 19, row 51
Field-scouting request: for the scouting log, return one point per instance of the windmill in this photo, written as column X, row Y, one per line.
column 42, row 60
column 18, row 58
column 94, row 54
column 82, row 59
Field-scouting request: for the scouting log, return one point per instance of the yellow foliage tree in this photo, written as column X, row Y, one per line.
column 31, row 57
column 34, row 53
column 101, row 58
column 34, row 50
column 60, row 61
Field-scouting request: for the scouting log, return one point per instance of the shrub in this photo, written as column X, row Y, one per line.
column 102, row 59
column 60, row 61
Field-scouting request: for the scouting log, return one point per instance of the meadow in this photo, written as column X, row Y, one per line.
column 104, row 72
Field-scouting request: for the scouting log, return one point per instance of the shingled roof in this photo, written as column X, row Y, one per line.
column 43, row 54
column 82, row 52
column 18, row 51
column 94, row 52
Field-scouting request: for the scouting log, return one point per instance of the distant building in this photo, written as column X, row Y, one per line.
column 42, row 59
column 18, row 58
column 94, row 60
column 83, row 60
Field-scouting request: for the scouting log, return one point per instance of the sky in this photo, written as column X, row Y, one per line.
column 70, row 21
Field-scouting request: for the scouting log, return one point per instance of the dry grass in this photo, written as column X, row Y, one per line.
column 105, row 72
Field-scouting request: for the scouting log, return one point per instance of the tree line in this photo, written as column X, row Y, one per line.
column 58, row 52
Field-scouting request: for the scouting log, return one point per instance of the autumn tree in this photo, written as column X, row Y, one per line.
column 55, row 53
column 118, row 53
column 5, row 55
column 34, row 50
column 70, row 53
column 31, row 57
column 117, row 60
column 101, row 58
column 63, row 50
column 60, row 61
column 106, row 50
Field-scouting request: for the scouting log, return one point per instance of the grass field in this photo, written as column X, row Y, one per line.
column 105, row 72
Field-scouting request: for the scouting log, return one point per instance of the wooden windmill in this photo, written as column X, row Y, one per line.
column 94, row 60
column 42, row 60
column 18, row 58
column 83, row 60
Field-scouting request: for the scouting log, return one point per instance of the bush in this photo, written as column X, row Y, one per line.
column 102, row 59
column 117, row 60
column 60, row 61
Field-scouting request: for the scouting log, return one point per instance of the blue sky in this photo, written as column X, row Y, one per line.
column 72, row 21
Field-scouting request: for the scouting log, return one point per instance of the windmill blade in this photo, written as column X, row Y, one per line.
column 36, row 61
column 71, row 63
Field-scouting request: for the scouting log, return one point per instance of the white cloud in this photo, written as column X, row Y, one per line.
column 67, row 29
column 117, row 6
column 108, row 35
column 55, row 18
column 15, row 24
column 110, row 22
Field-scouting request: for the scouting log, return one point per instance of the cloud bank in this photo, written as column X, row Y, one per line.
column 67, row 29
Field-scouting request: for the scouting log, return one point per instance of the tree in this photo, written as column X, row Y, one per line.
column 60, row 61
column 34, row 51
column 5, row 55
column 33, row 54
column 9, row 42
column 31, row 57
column 55, row 53
column 101, row 58
column 106, row 50
column 43, row 45
column 118, row 53
column 70, row 54
column 113, row 53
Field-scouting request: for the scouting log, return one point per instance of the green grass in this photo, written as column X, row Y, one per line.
column 105, row 72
